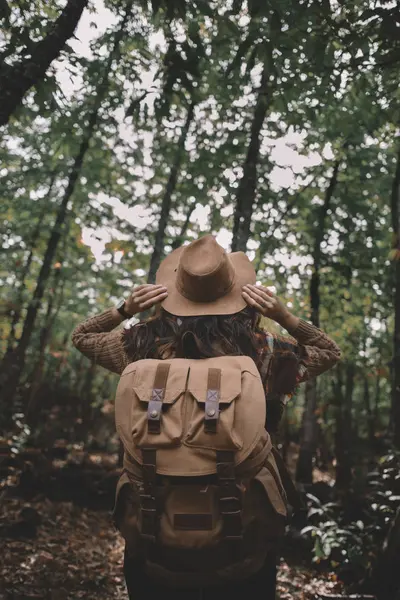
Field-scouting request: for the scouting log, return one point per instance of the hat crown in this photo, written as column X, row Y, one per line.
column 205, row 272
column 203, row 279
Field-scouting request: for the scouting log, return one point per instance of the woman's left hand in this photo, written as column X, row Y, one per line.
column 269, row 305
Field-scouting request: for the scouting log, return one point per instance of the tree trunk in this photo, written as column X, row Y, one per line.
column 5, row 10
column 26, row 268
column 60, row 222
column 17, row 79
column 79, row 372
column 370, row 415
column 324, row 453
column 61, row 363
column 86, row 402
column 395, row 208
column 180, row 238
column 158, row 250
column 309, row 430
column 344, row 433
column 44, row 338
column 308, row 436
column 377, row 401
column 248, row 184
column 343, row 426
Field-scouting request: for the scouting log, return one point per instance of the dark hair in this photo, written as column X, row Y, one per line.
column 165, row 336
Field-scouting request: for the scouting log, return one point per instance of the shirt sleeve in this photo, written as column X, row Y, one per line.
column 316, row 351
column 98, row 339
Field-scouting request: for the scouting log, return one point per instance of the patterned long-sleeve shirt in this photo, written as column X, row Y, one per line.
column 99, row 340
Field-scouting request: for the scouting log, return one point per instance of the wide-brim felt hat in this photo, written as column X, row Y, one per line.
column 203, row 279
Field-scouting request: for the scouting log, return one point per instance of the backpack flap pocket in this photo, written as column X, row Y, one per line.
column 213, row 394
column 156, row 416
column 190, row 519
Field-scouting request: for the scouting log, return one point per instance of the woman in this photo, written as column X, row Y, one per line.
column 208, row 305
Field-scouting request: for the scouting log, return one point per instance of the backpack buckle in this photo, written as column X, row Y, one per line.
column 211, row 411
column 230, row 505
column 154, row 414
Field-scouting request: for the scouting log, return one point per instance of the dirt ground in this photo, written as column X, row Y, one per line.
column 58, row 551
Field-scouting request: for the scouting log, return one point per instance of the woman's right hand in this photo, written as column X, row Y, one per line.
column 144, row 297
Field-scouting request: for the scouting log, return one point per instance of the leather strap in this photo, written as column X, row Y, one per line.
column 293, row 495
column 252, row 465
column 148, row 498
column 148, row 503
column 230, row 501
column 193, row 522
column 212, row 401
column 154, row 409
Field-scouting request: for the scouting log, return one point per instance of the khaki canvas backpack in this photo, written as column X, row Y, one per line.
column 201, row 497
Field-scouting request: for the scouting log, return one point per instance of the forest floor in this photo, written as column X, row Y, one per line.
column 57, row 550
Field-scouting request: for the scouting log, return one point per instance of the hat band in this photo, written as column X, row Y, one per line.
column 203, row 289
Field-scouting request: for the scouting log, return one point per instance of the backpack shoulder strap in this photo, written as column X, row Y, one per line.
column 293, row 495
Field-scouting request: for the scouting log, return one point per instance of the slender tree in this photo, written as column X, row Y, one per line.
column 53, row 307
column 33, row 240
column 180, row 238
column 395, row 211
column 61, row 217
column 309, row 434
column 246, row 194
column 159, row 240
column 343, row 428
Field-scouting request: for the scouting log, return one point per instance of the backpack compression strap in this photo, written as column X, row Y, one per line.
column 149, row 468
column 230, row 502
column 212, row 401
column 157, row 397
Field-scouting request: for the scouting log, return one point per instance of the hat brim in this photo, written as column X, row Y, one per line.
column 229, row 304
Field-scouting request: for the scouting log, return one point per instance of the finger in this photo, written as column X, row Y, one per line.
column 263, row 293
column 262, row 300
column 264, row 290
column 141, row 289
column 151, row 292
column 252, row 302
column 146, row 292
column 267, row 291
column 146, row 287
column 137, row 288
column 254, row 289
column 152, row 301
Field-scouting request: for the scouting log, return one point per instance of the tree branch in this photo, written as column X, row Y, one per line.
column 17, row 79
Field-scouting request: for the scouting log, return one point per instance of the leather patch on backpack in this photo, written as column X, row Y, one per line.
column 194, row 522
